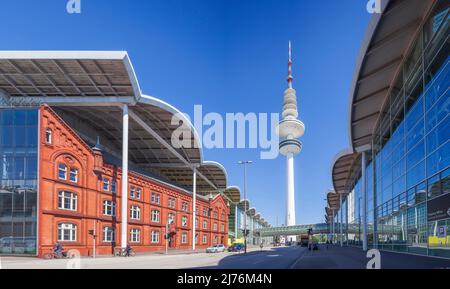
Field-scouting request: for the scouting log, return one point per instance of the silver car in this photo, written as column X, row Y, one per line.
column 216, row 249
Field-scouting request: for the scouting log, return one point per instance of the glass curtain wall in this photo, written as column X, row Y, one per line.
column 18, row 180
column 413, row 149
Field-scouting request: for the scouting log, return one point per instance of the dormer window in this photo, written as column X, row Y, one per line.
column 48, row 136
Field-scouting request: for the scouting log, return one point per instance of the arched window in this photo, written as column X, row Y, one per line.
column 48, row 136
column 67, row 232
column 67, row 201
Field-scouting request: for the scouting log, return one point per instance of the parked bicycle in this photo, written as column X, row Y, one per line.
column 53, row 255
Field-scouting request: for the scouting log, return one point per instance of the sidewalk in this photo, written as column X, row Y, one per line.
column 337, row 257
column 139, row 254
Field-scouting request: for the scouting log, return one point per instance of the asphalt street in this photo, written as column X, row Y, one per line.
column 334, row 257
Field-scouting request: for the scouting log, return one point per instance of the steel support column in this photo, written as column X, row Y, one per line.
column 194, row 206
column 364, row 198
column 124, row 214
column 341, row 233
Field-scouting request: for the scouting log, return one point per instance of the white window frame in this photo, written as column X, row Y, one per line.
column 109, row 235
column 215, row 227
column 105, row 184
column 132, row 191
column 73, row 200
column 205, row 225
column 156, row 216
column 62, row 168
column 135, row 213
column 62, row 228
column 135, row 236
column 184, row 237
column 170, row 218
column 113, row 186
column 109, row 205
column 73, row 172
column 155, row 237
column 138, row 193
column 48, row 136
column 184, row 221
column 205, row 239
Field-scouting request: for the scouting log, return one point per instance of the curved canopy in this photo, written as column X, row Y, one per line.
column 244, row 204
column 233, row 193
column 341, row 170
column 87, row 89
column 333, row 200
column 252, row 212
column 387, row 39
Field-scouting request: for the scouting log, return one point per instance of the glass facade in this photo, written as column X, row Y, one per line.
column 235, row 222
column 409, row 164
column 18, row 180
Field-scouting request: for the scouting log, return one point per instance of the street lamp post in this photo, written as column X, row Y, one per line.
column 245, row 163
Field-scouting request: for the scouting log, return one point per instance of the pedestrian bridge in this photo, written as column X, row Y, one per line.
column 293, row 230
column 322, row 228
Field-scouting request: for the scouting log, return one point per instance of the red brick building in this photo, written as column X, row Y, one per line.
column 79, row 192
column 76, row 135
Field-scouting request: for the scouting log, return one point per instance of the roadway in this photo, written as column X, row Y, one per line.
column 334, row 257
column 268, row 258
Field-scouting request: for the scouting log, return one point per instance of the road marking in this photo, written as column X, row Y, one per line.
column 296, row 261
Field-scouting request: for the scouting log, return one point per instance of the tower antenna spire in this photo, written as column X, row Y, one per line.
column 290, row 77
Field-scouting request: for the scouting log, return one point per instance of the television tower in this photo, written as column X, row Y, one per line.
column 290, row 130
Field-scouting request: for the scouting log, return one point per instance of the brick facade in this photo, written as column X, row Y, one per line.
column 66, row 148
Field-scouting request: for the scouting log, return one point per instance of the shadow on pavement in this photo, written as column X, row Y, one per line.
column 336, row 257
column 268, row 258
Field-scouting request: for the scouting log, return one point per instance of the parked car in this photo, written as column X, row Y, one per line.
column 216, row 249
column 236, row 248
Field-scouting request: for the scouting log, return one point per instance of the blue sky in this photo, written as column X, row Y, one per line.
column 230, row 56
